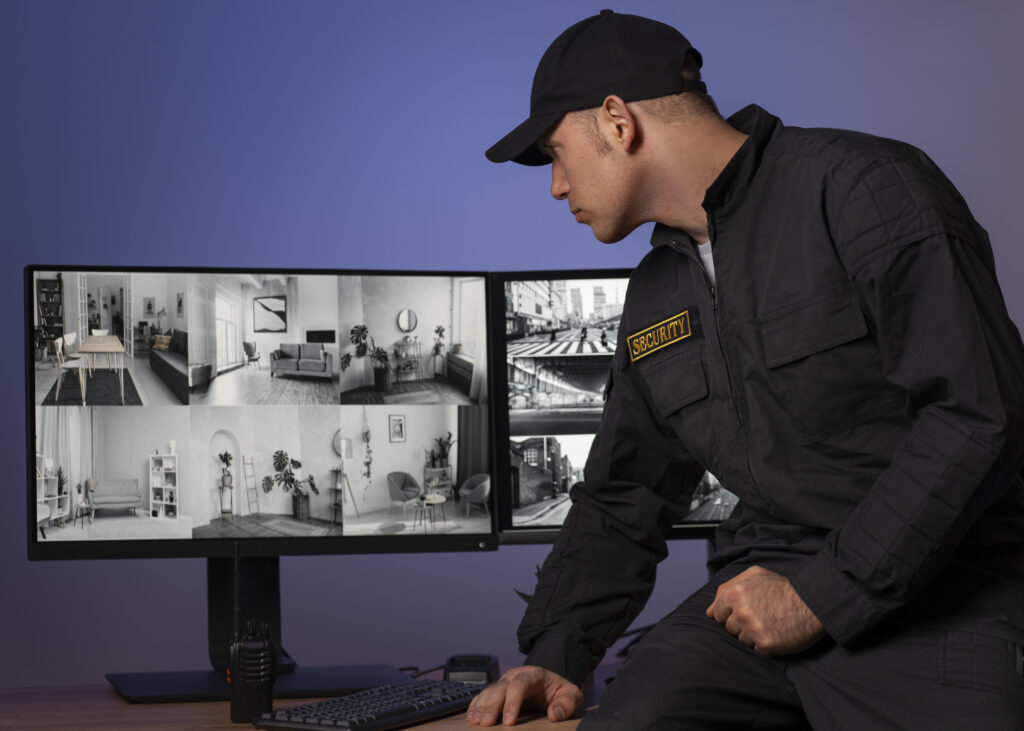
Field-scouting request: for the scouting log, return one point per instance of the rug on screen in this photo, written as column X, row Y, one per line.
column 101, row 389
column 292, row 527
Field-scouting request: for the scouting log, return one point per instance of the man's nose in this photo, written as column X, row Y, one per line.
column 559, row 185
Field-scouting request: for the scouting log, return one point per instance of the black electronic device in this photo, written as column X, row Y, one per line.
column 321, row 336
column 251, row 674
column 166, row 451
column 377, row 709
column 477, row 669
column 252, row 659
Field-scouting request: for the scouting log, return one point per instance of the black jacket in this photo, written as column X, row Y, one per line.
column 853, row 377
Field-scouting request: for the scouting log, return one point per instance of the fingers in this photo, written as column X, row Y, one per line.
column 502, row 702
column 519, row 688
column 719, row 605
column 710, row 611
column 730, row 592
column 567, row 698
column 484, row 710
column 721, row 608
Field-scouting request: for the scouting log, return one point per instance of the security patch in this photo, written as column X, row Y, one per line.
column 659, row 335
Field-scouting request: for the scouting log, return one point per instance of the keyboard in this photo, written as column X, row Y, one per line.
column 377, row 709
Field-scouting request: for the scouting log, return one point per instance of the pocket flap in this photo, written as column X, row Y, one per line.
column 676, row 381
column 812, row 326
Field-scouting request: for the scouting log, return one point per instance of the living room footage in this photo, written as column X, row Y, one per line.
column 224, row 339
column 221, row 405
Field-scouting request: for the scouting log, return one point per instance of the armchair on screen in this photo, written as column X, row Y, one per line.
column 251, row 354
column 475, row 491
column 403, row 488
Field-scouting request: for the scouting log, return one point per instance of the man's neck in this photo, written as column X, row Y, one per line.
column 690, row 158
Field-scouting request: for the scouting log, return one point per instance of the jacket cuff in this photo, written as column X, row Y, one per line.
column 839, row 603
column 560, row 653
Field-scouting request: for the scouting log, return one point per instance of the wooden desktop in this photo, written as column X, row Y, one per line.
column 100, row 707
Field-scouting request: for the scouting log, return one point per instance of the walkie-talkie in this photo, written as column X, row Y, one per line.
column 251, row 672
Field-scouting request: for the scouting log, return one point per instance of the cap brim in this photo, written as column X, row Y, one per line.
column 520, row 145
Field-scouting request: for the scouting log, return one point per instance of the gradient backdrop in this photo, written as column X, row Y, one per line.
column 351, row 134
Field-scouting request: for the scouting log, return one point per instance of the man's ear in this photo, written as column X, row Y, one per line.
column 620, row 123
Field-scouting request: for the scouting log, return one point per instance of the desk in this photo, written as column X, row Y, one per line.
column 100, row 707
column 109, row 345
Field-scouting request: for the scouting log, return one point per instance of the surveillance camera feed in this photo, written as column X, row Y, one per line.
column 236, row 405
column 560, row 335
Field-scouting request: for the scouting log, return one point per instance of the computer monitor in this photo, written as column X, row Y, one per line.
column 554, row 338
column 214, row 413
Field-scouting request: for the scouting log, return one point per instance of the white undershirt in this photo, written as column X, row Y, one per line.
column 704, row 250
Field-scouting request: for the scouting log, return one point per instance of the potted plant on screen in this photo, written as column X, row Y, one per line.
column 367, row 457
column 358, row 336
column 285, row 476
column 444, row 446
column 226, row 482
column 225, row 458
column 381, row 366
column 40, row 342
column 438, row 350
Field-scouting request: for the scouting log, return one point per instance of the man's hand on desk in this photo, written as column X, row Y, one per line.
column 761, row 609
column 525, row 687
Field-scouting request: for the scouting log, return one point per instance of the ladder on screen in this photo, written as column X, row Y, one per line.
column 252, row 493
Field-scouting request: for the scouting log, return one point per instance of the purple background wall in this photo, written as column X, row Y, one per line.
column 343, row 134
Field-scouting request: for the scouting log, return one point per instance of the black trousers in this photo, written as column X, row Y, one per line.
column 689, row 673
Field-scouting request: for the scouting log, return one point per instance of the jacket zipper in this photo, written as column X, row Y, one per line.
column 713, row 292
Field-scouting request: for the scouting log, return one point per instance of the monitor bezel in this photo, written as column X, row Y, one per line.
column 227, row 547
column 500, row 431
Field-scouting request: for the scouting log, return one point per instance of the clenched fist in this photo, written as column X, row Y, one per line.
column 762, row 610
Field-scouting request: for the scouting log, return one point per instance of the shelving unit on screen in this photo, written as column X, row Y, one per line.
column 163, row 486
column 50, row 304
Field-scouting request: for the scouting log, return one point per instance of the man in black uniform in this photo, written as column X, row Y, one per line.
column 819, row 325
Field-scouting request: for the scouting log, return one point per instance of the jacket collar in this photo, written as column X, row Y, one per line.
column 731, row 183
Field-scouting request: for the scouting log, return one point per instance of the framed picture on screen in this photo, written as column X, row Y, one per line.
column 270, row 314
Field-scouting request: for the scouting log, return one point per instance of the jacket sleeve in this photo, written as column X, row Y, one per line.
column 601, row 569
column 925, row 277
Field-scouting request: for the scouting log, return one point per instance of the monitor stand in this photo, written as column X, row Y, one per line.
column 259, row 593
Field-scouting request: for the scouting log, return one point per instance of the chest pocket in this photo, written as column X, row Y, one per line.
column 674, row 380
column 824, row 367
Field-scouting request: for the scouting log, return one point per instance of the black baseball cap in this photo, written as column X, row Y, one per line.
column 610, row 53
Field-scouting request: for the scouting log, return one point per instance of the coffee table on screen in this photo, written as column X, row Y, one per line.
column 425, row 510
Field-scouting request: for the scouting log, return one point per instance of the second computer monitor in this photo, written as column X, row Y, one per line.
column 555, row 336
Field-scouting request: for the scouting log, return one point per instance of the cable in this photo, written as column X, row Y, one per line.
column 428, row 670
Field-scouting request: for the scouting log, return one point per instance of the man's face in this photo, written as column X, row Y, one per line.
column 592, row 175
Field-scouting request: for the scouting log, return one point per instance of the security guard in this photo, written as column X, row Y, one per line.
column 819, row 325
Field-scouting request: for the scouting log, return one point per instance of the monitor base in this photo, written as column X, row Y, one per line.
column 208, row 685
